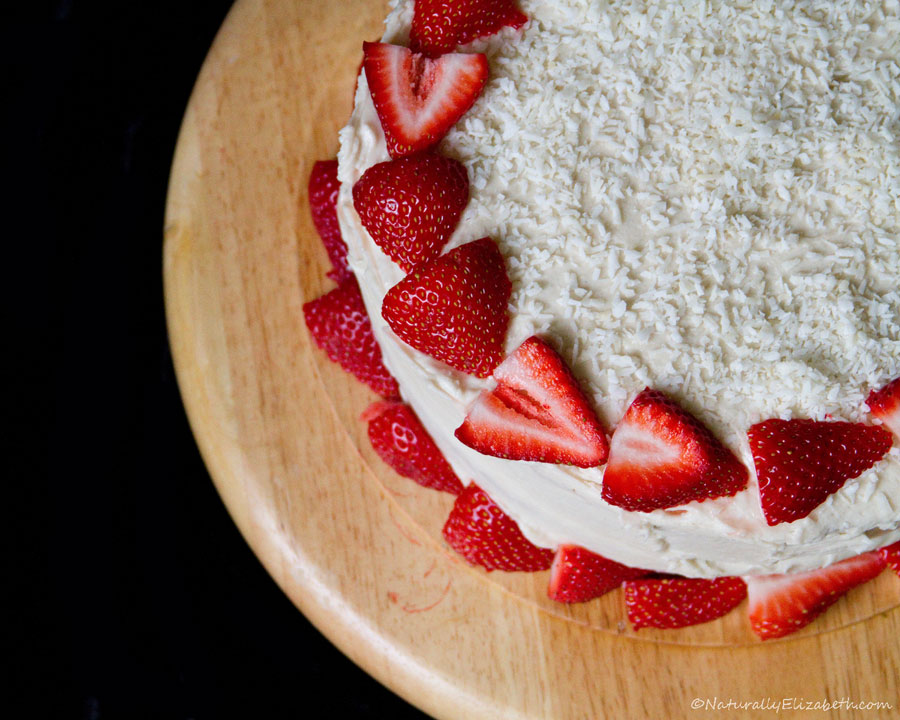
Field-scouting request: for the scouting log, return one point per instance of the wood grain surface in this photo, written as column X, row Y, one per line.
column 356, row 547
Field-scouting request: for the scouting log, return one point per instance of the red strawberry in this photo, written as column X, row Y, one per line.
column 453, row 308
column 885, row 405
column 782, row 604
column 418, row 99
column 662, row 456
column 340, row 326
column 578, row 575
column 323, row 195
column 411, row 206
column 439, row 26
column 679, row 602
column 891, row 555
column 801, row 462
column 537, row 412
column 400, row 440
column 484, row 535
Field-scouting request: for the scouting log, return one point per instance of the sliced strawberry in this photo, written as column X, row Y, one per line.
column 323, row 195
column 438, row 27
column 661, row 456
column 885, row 405
column 782, row 604
column 400, row 440
column 418, row 99
column 537, row 412
column 891, row 555
column 578, row 575
column 411, row 206
column 340, row 326
column 484, row 535
column 453, row 308
column 801, row 462
column 679, row 602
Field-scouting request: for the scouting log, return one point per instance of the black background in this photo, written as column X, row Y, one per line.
column 134, row 595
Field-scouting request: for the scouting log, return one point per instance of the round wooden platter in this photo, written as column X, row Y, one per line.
column 356, row 547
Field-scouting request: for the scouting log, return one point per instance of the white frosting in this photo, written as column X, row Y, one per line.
column 722, row 226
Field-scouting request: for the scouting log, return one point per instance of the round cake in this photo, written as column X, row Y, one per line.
column 699, row 198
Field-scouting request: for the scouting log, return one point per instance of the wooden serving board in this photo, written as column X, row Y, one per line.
column 357, row 548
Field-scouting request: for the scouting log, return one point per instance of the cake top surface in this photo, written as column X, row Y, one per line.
column 701, row 197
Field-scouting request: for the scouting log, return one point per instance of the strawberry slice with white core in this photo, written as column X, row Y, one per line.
column 537, row 412
column 678, row 602
column 485, row 535
column 661, row 456
column 782, row 604
column 419, row 99
column 885, row 405
column 800, row 463
column 578, row 575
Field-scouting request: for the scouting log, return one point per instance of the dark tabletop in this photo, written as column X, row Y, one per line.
column 134, row 594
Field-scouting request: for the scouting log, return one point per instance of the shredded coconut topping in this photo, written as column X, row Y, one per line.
column 702, row 196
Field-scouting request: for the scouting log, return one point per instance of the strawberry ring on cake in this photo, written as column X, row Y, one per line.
column 633, row 268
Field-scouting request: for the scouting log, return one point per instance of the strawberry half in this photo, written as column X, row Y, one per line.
column 801, row 462
column 578, row 575
column 484, row 535
column 537, row 412
column 453, row 308
column 323, row 195
column 782, row 604
column 340, row 326
column 661, row 456
column 891, row 555
column 411, row 206
column 419, row 99
column 679, row 602
column 438, row 26
column 885, row 405
column 400, row 440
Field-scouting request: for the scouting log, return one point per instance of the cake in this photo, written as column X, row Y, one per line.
column 698, row 198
